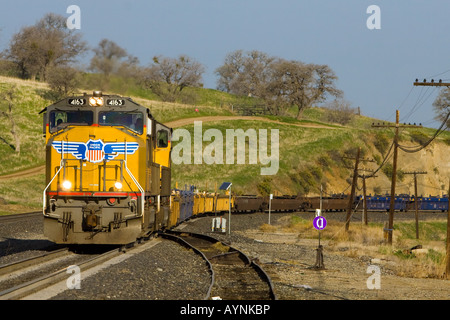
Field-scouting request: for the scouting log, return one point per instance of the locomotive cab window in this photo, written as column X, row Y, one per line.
column 60, row 119
column 162, row 139
column 128, row 119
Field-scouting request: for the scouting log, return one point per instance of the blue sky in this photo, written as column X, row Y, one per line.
column 376, row 68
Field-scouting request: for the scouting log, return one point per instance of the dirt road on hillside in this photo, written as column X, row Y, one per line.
column 188, row 121
column 24, row 173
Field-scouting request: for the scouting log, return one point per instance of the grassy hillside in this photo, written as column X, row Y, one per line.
column 28, row 104
column 311, row 151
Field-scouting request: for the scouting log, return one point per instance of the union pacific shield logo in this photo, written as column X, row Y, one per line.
column 95, row 150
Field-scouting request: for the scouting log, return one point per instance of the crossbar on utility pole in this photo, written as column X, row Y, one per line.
column 416, row 202
column 432, row 83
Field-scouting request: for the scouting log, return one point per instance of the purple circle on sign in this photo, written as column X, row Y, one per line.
column 319, row 223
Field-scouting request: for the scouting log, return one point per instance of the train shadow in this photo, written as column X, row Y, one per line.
column 10, row 246
column 93, row 248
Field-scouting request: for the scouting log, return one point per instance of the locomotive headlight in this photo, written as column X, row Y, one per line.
column 118, row 185
column 96, row 101
column 67, row 185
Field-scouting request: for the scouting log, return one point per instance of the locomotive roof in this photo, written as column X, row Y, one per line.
column 108, row 101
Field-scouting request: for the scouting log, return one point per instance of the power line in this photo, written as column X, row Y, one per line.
column 438, row 74
column 419, row 103
column 414, row 149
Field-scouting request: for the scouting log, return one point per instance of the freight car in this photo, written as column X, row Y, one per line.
column 107, row 170
column 382, row 203
column 431, row 203
column 283, row 203
column 248, row 203
column 405, row 202
column 187, row 203
column 331, row 203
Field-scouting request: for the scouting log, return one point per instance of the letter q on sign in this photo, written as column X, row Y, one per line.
column 319, row 223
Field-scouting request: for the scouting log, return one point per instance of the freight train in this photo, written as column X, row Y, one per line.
column 339, row 202
column 189, row 203
column 107, row 170
column 108, row 177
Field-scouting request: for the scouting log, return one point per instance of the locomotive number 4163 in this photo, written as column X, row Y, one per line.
column 115, row 102
column 77, row 102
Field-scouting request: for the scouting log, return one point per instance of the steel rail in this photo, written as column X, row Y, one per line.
column 183, row 242
column 27, row 262
column 25, row 289
column 247, row 261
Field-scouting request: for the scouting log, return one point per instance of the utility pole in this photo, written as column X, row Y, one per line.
column 354, row 183
column 394, row 171
column 352, row 194
column 441, row 84
column 416, row 202
column 394, row 181
column 364, row 177
column 447, row 268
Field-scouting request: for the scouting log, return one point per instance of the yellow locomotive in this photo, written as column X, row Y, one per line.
column 107, row 170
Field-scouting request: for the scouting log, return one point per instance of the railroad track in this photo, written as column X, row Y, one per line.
column 30, row 276
column 19, row 216
column 23, row 278
column 233, row 275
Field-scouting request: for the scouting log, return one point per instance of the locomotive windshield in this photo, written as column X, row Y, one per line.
column 129, row 119
column 62, row 118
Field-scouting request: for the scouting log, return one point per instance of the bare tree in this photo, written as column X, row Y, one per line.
column 63, row 81
column 24, row 51
column 245, row 73
column 6, row 110
column 108, row 57
column 48, row 43
column 442, row 106
column 279, row 82
column 339, row 111
column 167, row 77
column 294, row 83
column 111, row 59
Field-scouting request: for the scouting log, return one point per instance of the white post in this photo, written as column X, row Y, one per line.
column 229, row 212
column 320, row 198
column 270, row 204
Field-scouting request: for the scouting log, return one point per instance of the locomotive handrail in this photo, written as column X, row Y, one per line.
column 45, row 190
column 136, row 182
column 139, row 187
